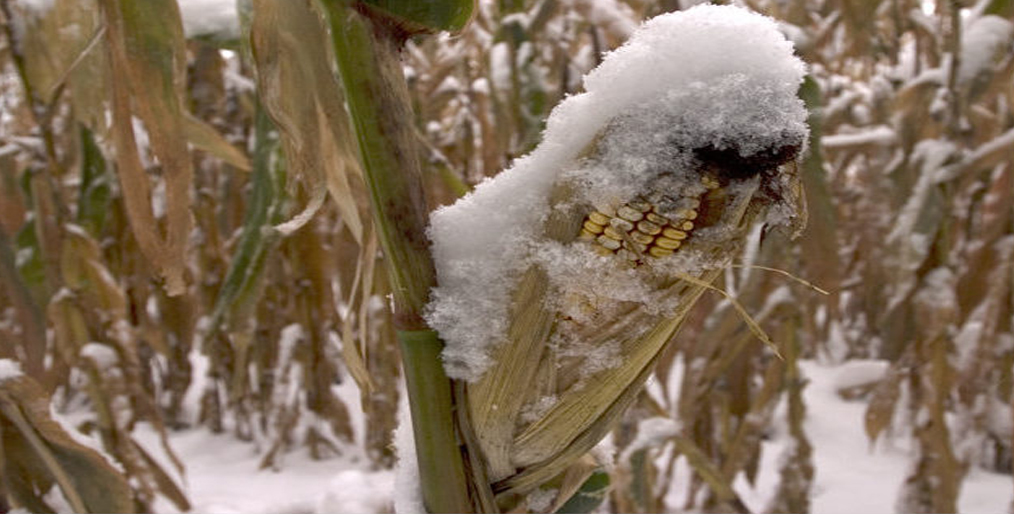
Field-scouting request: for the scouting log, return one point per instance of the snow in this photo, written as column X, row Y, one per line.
column 217, row 18
column 9, row 369
column 858, row 372
column 651, row 432
column 69, row 424
column 222, row 477
column 356, row 491
column 982, row 40
column 880, row 135
column 852, row 475
column 408, row 489
column 937, row 294
column 37, row 8
column 712, row 76
column 102, row 355
column 609, row 14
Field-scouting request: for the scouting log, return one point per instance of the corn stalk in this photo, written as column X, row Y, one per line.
column 367, row 39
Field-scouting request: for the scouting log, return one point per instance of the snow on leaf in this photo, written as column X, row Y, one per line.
column 880, row 135
column 982, row 40
column 9, row 369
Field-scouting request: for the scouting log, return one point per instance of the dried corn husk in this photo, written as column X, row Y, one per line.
column 541, row 361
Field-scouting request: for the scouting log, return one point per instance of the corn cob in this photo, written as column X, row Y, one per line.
column 643, row 228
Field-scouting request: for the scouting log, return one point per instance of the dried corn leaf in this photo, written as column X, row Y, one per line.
column 54, row 41
column 299, row 89
column 70, row 330
column 162, row 480
column 34, row 443
column 83, row 269
column 913, row 231
column 205, row 137
column 354, row 349
column 985, row 157
column 885, row 398
column 147, row 51
column 711, row 474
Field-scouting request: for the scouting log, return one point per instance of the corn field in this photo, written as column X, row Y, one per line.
column 191, row 240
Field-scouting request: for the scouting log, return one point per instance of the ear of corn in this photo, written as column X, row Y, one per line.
column 644, row 233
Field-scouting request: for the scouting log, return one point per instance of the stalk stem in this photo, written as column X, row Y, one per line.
column 367, row 51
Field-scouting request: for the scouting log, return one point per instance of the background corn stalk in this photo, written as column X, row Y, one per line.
column 923, row 165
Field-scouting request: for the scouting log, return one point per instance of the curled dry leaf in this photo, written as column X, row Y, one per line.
column 146, row 49
column 290, row 49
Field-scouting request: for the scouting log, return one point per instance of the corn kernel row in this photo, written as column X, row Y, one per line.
column 640, row 228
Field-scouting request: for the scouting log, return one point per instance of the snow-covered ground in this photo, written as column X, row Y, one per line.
column 223, row 478
column 851, row 475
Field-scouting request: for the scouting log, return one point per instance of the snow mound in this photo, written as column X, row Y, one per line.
column 353, row 490
column 712, row 77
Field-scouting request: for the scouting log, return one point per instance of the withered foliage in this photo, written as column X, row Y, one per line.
column 147, row 183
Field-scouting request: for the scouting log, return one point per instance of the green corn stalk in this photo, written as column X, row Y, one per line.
column 366, row 45
column 239, row 292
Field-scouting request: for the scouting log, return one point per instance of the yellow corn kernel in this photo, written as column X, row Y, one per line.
column 586, row 235
column 611, row 244
column 628, row 213
column 687, row 214
column 687, row 226
column 673, row 233
column 612, row 233
column 648, row 228
column 641, row 237
column 658, row 251
column 598, row 218
column 669, row 244
column 592, row 227
column 621, row 224
column 657, row 219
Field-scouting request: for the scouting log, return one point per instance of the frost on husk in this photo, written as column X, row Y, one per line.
column 707, row 91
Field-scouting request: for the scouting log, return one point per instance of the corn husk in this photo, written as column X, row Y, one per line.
column 522, row 452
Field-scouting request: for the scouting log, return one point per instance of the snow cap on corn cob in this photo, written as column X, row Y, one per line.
column 696, row 101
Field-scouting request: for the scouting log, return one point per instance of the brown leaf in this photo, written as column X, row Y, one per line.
column 303, row 97
column 205, row 137
column 33, row 441
column 147, row 53
column 885, row 398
